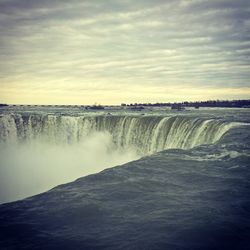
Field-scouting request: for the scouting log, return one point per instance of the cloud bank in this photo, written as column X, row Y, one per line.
column 115, row 51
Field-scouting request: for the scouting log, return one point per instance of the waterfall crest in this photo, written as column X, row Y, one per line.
column 147, row 134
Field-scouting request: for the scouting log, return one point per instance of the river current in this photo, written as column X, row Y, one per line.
column 182, row 181
column 42, row 147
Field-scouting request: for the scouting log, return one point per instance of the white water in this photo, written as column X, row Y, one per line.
column 41, row 151
column 36, row 166
column 147, row 134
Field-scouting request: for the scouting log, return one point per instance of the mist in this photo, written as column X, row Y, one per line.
column 36, row 166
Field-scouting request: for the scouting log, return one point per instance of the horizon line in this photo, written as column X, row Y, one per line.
column 133, row 103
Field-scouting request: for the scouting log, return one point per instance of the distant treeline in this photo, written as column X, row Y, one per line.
column 212, row 103
column 197, row 104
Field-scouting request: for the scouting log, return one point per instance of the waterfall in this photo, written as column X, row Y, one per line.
column 147, row 134
column 39, row 150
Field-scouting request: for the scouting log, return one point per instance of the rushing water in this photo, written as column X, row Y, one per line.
column 147, row 134
column 189, row 188
column 43, row 147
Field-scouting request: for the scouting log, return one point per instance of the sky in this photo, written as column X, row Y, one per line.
column 123, row 51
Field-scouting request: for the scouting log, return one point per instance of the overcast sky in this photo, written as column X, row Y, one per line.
column 113, row 51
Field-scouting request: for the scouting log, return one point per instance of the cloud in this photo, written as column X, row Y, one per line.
column 49, row 45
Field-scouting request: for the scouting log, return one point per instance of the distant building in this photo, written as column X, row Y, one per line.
column 177, row 106
column 95, row 107
column 137, row 108
column 3, row 105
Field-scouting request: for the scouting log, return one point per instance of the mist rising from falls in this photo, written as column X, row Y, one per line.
column 39, row 151
column 35, row 166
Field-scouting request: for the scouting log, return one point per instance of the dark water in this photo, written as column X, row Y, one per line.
column 182, row 198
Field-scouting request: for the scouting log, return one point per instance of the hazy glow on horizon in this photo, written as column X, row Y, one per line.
column 82, row 52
